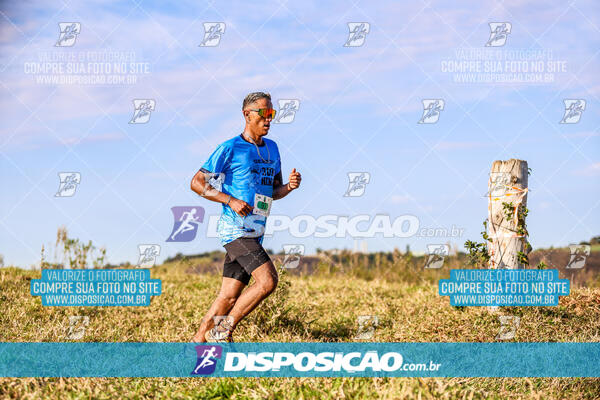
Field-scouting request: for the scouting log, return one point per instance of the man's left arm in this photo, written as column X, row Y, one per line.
column 280, row 190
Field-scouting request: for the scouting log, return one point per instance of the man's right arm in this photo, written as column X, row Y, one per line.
column 201, row 186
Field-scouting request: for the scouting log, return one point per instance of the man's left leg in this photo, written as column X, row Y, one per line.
column 265, row 282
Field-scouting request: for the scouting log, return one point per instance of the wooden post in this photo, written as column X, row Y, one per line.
column 507, row 184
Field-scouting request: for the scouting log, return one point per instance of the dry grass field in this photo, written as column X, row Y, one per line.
column 321, row 306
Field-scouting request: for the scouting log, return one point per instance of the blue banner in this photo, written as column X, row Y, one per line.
column 504, row 287
column 96, row 287
column 299, row 359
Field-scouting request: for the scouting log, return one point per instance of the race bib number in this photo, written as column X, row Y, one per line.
column 262, row 204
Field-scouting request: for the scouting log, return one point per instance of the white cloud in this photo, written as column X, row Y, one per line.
column 401, row 199
column 92, row 138
column 320, row 77
column 590, row 170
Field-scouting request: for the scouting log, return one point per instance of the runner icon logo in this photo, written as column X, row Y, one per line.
column 498, row 34
column 358, row 33
column 185, row 224
column 293, row 253
column 499, row 183
column 357, row 183
column 431, row 111
column 366, row 327
column 68, row 33
column 573, row 110
column 436, row 252
column 212, row 34
column 77, row 325
column 207, row 359
column 508, row 327
column 68, row 183
column 287, row 111
column 142, row 110
column 579, row 253
column 148, row 254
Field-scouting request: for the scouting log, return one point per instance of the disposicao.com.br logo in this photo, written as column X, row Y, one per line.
column 340, row 226
column 306, row 362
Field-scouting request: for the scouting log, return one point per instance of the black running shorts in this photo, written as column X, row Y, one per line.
column 242, row 257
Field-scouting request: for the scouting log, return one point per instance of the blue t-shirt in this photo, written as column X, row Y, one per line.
column 243, row 173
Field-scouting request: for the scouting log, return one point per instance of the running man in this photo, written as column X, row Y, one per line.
column 252, row 179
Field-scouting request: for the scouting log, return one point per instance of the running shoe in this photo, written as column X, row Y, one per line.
column 221, row 333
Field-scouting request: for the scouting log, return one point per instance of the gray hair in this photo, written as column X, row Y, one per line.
column 254, row 96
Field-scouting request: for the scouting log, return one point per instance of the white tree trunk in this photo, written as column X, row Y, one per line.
column 507, row 184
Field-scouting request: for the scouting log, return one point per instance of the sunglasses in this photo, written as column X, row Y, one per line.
column 266, row 112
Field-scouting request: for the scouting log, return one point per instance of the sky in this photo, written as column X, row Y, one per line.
column 359, row 108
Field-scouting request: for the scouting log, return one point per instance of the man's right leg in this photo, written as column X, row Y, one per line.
column 230, row 291
column 245, row 257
